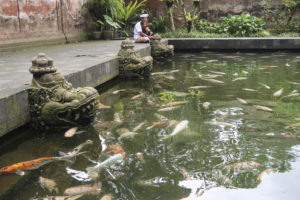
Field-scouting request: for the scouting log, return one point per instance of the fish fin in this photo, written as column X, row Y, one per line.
column 20, row 173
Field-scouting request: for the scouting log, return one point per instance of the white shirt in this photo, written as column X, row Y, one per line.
column 137, row 30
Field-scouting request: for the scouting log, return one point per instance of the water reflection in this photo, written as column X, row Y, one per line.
column 220, row 156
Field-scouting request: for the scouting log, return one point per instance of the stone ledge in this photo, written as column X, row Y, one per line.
column 235, row 43
column 14, row 105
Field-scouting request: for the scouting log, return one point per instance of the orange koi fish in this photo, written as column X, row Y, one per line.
column 174, row 103
column 20, row 167
column 100, row 105
column 115, row 149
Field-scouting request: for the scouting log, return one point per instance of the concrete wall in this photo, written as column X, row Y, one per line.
column 23, row 19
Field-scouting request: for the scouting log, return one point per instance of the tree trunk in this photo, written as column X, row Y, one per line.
column 183, row 10
column 170, row 12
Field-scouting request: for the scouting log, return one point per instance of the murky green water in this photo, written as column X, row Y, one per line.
column 192, row 164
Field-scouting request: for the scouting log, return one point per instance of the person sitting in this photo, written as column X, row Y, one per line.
column 139, row 35
column 146, row 29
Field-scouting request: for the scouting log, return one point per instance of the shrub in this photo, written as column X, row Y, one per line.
column 243, row 25
column 205, row 26
column 160, row 24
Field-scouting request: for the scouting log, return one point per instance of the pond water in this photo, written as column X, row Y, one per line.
column 222, row 154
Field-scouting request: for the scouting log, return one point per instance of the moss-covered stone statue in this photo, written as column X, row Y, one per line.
column 130, row 64
column 54, row 102
column 160, row 51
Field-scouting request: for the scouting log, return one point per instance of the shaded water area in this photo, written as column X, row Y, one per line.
column 197, row 163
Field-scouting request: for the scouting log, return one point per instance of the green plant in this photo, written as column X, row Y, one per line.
column 205, row 26
column 166, row 97
column 197, row 93
column 160, row 24
column 242, row 25
column 128, row 13
column 111, row 23
column 190, row 21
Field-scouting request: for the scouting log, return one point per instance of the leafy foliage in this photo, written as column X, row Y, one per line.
column 243, row 25
column 114, row 25
column 128, row 13
column 160, row 24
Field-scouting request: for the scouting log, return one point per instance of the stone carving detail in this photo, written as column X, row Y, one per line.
column 159, row 50
column 130, row 64
column 53, row 101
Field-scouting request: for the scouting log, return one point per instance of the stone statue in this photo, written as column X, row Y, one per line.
column 54, row 102
column 130, row 64
column 159, row 50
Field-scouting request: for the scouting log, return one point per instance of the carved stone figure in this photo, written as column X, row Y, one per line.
column 53, row 101
column 130, row 64
column 159, row 50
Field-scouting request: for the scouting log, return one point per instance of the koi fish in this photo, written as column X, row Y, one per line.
column 278, row 93
column 242, row 100
column 140, row 125
column 266, row 86
column 161, row 117
column 264, row 108
column 287, row 65
column 179, row 127
column 115, row 149
column 93, row 172
column 199, row 87
column 77, row 149
column 185, row 174
column 249, row 90
column 136, row 97
column 48, row 184
column 102, row 106
column 117, row 91
column 59, row 198
column 117, row 118
column 20, row 167
column 265, row 172
column 106, row 197
column 168, row 108
column 161, row 123
column 211, row 61
column 269, row 66
column 235, row 74
column 293, row 83
column 219, row 73
column 214, row 81
column 238, row 79
column 206, row 105
column 71, row 132
column 140, row 156
column 83, row 189
column 174, row 103
column 243, row 166
column 245, row 72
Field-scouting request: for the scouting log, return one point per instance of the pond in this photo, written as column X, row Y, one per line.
column 239, row 120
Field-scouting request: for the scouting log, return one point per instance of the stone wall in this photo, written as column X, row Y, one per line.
column 211, row 9
column 23, row 19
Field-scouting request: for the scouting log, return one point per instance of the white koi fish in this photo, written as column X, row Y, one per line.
column 179, row 127
column 93, row 172
column 278, row 93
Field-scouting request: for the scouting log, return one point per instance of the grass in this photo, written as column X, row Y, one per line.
column 182, row 33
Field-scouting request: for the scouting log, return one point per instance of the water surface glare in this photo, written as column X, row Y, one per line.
column 236, row 116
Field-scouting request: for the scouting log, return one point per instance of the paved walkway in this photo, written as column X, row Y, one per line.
column 68, row 58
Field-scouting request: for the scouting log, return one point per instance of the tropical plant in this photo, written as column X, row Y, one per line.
column 111, row 23
column 242, row 25
column 160, row 24
column 205, row 26
column 169, row 4
column 190, row 21
column 128, row 13
column 98, row 8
